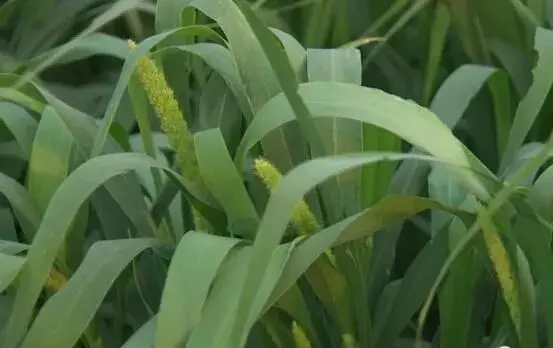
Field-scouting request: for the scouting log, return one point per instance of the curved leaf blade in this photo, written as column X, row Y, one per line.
column 65, row 316
column 57, row 219
column 406, row 119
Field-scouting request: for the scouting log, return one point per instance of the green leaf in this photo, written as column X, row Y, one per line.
column 50, row 158
column 293, row 303
column 144, row 336
column 284, row 73
column 31, row 90
column 332, row 289
column 536, row 245
column 57, row 219
column 412, row 291
column 443, row 187
column 295, row 51
column 354, row 187
column 221, row 60
column 455, row 296
column 94, row 44
column 253, row 66
column 110, row 14
column 265, row 70
column 20, row 124
column 219, row 109
column 20, row 98
column 415, row 8
column 83, row 128
column 517, row 63
column 339, row 135
column 65, row 316
column 389, row 210
column 539, row 8
column 457, row 293
column 458, row 90
column 528, row 299
column 449, row 103
column 229, row 190
column 10, row 266
column 139, row 103
column 440, row 28
column 225, row 296
column 318, row 23
column 461, row 13
column 221, row 306
column 168, row 14
column 182, row 304
column 12, row 248
column 505, row 271
column 503, row 26
column 501, row 94
column 494, row 206
column 533, row 101
column 49, row 164
column 526, row 14
column 24, row 208
column 8, row 233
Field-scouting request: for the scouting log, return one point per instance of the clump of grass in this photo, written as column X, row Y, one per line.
column 344, row 282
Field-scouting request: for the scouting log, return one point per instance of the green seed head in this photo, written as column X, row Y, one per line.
column 172, row 121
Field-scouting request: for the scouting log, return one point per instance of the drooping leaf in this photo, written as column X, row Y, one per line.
column 327, row 99
column 65, row 316
column 58, row 217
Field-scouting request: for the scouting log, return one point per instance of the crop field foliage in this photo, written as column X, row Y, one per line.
column 276, row 173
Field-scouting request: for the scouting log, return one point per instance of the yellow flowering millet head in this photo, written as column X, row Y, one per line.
column 502, row 265
column 55, row 280
column 131, row 44
column 302, row 217
column 167, row 110
column 267, row 173
column 172, row 122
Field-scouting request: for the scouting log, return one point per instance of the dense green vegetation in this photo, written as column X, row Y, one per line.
column 276, row 173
